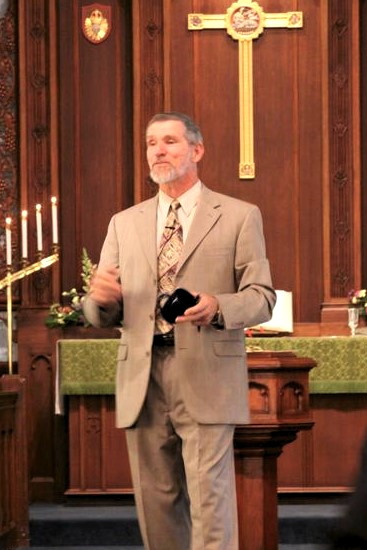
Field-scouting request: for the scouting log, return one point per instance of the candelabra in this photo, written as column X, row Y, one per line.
column 27, row 269
column 7, row 283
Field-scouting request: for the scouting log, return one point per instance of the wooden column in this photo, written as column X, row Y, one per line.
column 279, row 406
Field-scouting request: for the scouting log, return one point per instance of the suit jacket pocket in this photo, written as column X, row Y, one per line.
column 229, row 348
column 122, row 352
column 216, row 251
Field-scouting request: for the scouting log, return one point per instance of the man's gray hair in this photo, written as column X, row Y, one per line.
column 193, row 133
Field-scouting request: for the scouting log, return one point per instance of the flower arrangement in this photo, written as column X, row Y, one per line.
column 72, row 314
column 358, row 299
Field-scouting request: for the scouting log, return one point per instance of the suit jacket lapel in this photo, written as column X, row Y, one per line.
column 207, row 213
column 146, row 229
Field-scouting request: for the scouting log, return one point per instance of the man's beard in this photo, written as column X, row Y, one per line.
column 163, row 176
column 168, row 174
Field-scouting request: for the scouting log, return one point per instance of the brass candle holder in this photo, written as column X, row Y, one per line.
column 10, row 278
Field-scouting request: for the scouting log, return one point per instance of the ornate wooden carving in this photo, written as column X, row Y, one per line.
column 97, row 449
column 9, row 185
column 38, row 133
column 292, row 399
column 95, row 124
column 259, row 398
column 149, row 83
column 343, row 248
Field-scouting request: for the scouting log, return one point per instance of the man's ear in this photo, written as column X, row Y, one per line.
column 197, row 152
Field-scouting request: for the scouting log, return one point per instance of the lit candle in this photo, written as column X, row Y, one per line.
column 24, row 234
column 39, row 227
column 8, row 240
column 55, row 239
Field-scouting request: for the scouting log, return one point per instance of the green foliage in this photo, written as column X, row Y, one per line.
column 71, row 312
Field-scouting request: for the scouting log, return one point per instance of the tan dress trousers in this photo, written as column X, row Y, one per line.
column 183, row 472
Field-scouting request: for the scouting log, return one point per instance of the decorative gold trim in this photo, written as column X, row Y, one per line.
column 96, row 22
column 246, row 171
column 7, row 282
column 247, row 164
column 28, row 270
column 199, row 21
column 287, row 20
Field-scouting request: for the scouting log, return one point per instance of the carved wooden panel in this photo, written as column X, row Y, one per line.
column 149, row 83
column 326, row 460
column 37, row 134
column 306, row 126
column 288, row 119
column 97, row 449
column 293, row 399
column 363, row 99
column 259, row 398
column 95, row 130
column 343, row 187
column 9, row 120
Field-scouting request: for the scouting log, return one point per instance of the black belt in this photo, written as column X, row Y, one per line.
column 167, row 339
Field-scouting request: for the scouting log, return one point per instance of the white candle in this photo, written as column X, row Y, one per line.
column 24, row 234
column 39, row 227
column 55, row 238
column 8, row 240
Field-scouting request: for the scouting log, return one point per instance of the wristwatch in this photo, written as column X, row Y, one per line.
column 218, row 321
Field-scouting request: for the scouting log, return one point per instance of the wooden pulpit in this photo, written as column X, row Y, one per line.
column 279, row 407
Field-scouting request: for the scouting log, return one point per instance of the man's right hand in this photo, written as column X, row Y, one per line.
column 105, row 288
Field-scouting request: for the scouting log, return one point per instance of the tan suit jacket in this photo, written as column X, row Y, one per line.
column 224, row 255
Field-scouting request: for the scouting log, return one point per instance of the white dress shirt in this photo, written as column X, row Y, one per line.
column 186, row 213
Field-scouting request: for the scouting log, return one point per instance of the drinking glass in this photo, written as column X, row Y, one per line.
column 353, row 315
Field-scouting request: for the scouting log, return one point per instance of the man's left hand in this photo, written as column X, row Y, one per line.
column 202, row 313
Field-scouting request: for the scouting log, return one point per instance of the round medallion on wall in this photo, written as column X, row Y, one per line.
column 245, row 20
column 96, row 22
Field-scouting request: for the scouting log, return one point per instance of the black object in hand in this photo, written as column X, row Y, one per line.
column 175, row 304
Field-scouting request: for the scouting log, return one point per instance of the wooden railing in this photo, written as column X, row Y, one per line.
column 14, row 523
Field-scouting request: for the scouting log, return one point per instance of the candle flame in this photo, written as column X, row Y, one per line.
column 8, row 221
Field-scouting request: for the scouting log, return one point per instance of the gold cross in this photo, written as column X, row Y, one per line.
column 245, row 20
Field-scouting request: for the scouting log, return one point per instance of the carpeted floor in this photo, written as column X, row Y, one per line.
column 281, row 547
column 115, row 527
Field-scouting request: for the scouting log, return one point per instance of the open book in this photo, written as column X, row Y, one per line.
column 282, row 318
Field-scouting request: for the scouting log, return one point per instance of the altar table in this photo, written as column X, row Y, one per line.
column 322, row 460
column 88, row 366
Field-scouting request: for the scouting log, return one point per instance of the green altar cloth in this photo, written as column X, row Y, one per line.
column 341, row 361
column 87, row 367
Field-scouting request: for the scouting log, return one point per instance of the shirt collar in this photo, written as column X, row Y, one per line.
column 187, row 200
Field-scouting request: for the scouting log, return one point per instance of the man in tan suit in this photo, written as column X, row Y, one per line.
column 179, row 394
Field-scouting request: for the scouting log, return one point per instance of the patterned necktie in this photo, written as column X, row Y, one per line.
column 168, row 256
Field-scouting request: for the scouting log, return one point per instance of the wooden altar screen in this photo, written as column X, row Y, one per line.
column 95, row 173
